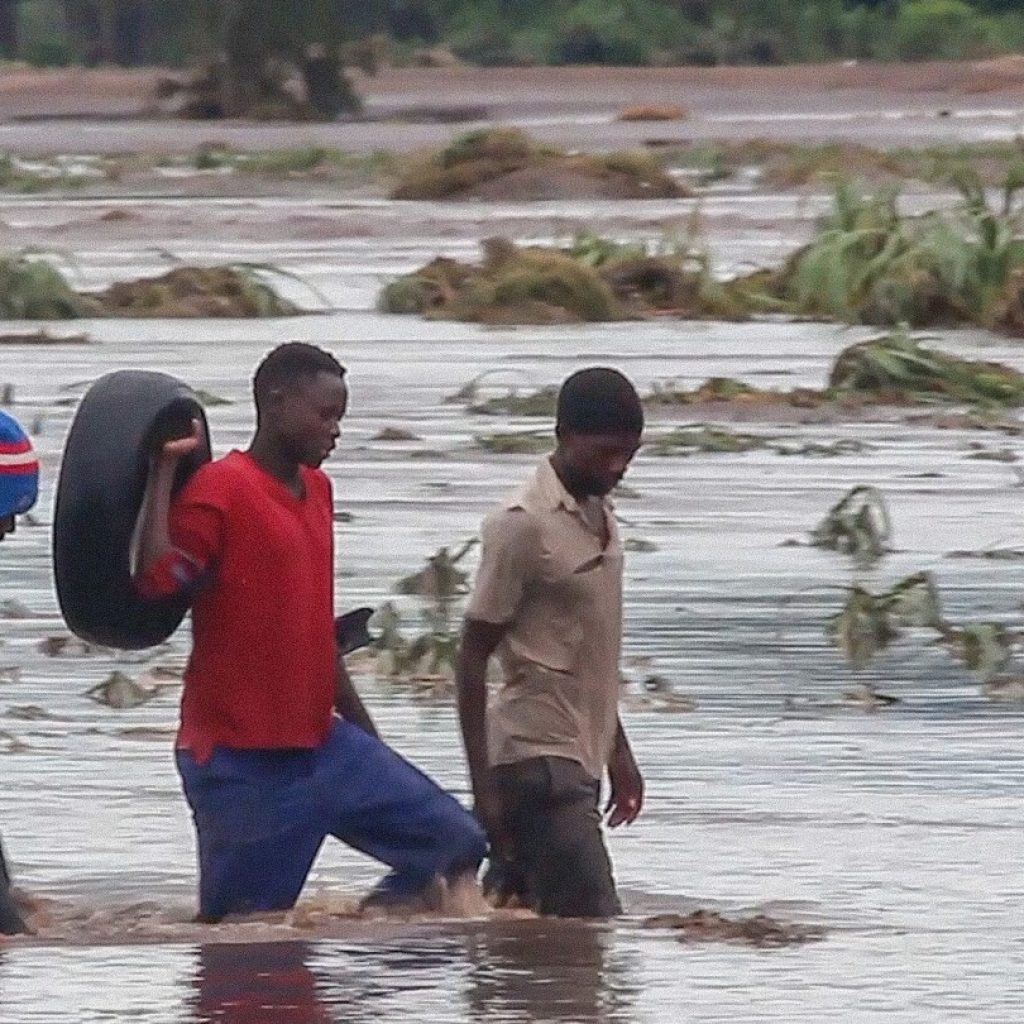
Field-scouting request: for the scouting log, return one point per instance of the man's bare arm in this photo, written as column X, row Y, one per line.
column 152, row 539
column 479, row 640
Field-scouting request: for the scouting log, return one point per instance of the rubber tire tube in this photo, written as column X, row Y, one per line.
column 123, row 418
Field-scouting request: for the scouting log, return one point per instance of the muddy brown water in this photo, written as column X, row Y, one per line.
column 899, row 832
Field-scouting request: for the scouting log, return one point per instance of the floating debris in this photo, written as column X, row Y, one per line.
column 994, row 554
column 984, row 454
column 517, row 403
column 68, row 646
column 120, row 691
column 639, row 545
column 858, row 524
column 867, row 697
column 44, row 338
column 869, row 622
column 427, row 662
column 30, row 713
column 623, row 492
column 395, row 434
column 148, row 732
column 710, row 926
column 1010, row 691
column 654, row 112
column 10, row 674
column 718, row 440
column 12, row 608
column 984, row 647
column 516, row 443
column 209, row 399
column 11, row 744
column 823, row 450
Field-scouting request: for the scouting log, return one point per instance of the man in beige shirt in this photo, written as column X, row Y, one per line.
column 548, row 602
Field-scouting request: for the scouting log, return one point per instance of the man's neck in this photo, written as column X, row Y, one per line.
column 269, row 456
column 563, row 474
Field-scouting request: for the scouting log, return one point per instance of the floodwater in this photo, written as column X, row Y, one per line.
column 898, row 831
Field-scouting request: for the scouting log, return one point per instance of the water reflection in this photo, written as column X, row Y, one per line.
column 257, row 983
column 547, row 971
column 508, row 972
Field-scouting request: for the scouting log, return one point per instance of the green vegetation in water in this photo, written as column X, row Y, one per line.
column 870, row 264
column 690, row 440
column 321, row 162
column 531, row 442
column 540, row 403
column 786, row 165
column 32, row 288
column 225, row 291
column 511, row 400
column 440, row 587
column 867, row 264
column 858, row 524
column 477, row 162
column 591, row 280
column 898, row 368
column 16, row 177
column 891, row 369
column 870, row 623
column 705, row 439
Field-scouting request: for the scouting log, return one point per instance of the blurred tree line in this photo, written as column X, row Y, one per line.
column 252, row 40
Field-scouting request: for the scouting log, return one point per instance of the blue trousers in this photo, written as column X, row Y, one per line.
column 261, row 816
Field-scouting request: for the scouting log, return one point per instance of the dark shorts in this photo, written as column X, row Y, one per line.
column 261, row 816
column 557, row 863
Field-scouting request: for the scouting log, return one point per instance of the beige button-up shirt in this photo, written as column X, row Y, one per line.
column 546, row 575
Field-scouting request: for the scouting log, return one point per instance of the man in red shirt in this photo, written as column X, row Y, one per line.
column 268, row 768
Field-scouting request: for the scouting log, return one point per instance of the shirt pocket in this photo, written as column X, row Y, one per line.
column 549, row 629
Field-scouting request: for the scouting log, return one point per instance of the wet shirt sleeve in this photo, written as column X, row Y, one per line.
column 509, row 561
column 197, row 530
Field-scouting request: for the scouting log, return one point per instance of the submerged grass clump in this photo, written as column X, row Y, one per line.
column 871, row 264
column 530, row 442
column 225, row 291
column 868, row 263
column 34, row 289
column 898, row 368
column 506, row 163
column 591, row 280
column 891, row 369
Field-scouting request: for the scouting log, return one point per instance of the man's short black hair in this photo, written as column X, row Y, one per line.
column 598, row 400
column 289, row 363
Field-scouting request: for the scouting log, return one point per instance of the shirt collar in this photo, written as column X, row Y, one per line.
column 546, row 492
